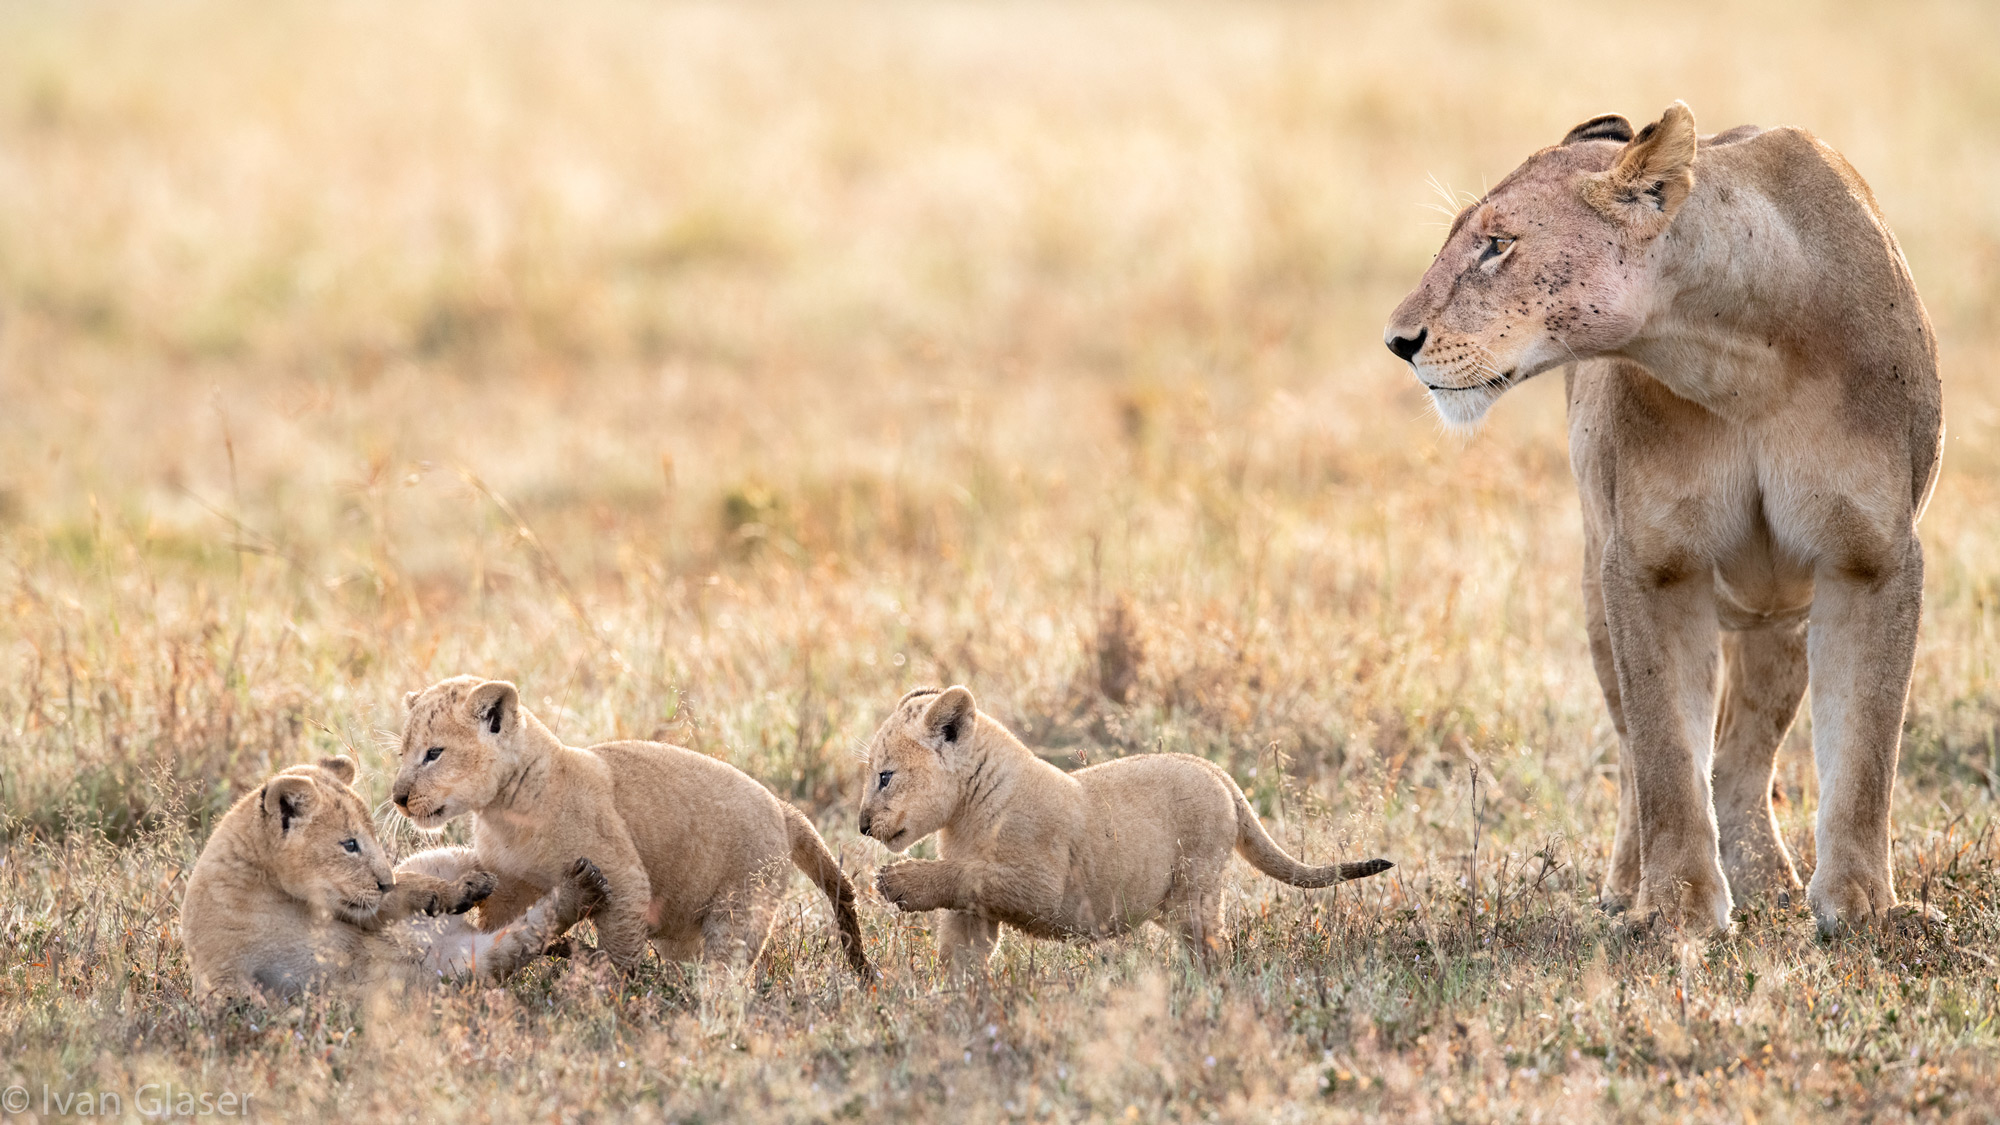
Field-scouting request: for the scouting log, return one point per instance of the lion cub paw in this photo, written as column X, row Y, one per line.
column 909, row 886
column 472, row 888
column 590, row 883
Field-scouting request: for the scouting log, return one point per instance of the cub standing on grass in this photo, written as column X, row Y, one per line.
column 1091, row 854
column 293, row 891
column 694, row 850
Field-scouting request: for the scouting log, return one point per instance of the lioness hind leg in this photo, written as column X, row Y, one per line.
column 965, row 942
column 1861, row 643
column 1764, row 678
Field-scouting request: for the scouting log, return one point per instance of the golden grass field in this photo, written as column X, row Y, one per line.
column 719, row 372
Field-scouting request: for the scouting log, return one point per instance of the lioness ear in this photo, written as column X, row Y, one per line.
column 950, row 716
column 1652, row 177
column 1603, row 127
column 340, row 766
column 290, row 798
column 494, row 705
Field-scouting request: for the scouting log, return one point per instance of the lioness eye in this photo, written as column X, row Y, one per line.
column 433, row 754
column 353, row 846
column 1497, row 245
column 882, row 779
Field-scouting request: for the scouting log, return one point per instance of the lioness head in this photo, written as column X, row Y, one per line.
column 320, row 842
column 1550, row 267
column 913, row 785
column 457, row 741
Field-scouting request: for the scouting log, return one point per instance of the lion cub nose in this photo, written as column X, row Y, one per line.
column 865, row 822
column 385, row 888
column 402, row 799
column 1407, row 347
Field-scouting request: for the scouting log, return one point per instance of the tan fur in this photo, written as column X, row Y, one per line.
column 293, row 892
column 1089, row 854
column 694, row 850
column 1755, row 425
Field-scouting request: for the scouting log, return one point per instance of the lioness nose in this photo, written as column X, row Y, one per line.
column 865, row 822
column 1407, row 347
column 383, row 887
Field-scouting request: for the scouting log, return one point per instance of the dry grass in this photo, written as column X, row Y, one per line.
column 718, row 372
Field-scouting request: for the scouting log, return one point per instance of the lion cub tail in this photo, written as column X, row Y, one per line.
column 809, row 855
column 1255, row 844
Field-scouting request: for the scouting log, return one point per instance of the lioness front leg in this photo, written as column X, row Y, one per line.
column 1763, row 679
column 1621, row 881
column 1664, row 634
column 1861, row 644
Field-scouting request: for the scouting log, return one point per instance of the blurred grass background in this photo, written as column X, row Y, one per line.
column 717, row 372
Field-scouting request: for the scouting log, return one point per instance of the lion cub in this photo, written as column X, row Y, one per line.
column 293, row 891
column 693, row 848
column 1089, row 854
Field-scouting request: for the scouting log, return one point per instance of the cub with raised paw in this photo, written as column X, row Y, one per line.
column 694, row 850
column 1088, row 855
column 293, row 891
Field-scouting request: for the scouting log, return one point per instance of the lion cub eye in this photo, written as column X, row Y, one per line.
column 882, row 779
column 433, row 754
column 352, row 846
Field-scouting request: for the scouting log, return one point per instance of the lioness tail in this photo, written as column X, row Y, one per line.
column 809, row 855
column 1255, row 844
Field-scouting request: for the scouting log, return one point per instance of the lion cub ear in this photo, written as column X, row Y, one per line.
column 291, row 799
column 950, row 716
column 340, row 766
column 495, row 705
column 410, row 700
column 1652, row 177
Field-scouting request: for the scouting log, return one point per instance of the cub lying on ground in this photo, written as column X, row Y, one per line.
column 1087, row 855
column 293, row 891
column 694, row 850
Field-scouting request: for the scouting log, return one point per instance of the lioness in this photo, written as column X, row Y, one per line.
column 693, row 848
column 293, row 891
column 1090, row 854
column 1755, row 428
